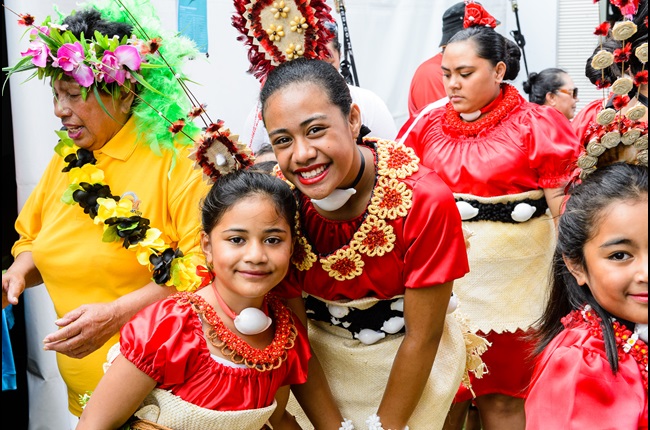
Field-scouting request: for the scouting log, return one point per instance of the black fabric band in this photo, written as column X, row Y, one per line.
column 500, row 212
column 356, row 320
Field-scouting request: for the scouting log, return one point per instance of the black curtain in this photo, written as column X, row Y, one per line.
column 14, row 402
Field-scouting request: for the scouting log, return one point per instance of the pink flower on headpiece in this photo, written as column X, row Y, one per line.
column 628, row 7
column 476, row 15
column 71, row 60
column 39, row 30
column 39, row 52
column 114, row 63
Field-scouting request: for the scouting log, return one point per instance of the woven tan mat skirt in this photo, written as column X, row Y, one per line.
column 358, row 373
column 506, row 287
column 164, row 408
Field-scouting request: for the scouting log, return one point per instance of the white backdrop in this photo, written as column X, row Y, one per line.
column 390, row 38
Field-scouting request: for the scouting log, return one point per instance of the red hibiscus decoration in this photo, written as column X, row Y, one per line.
column 602, row 29
column 620, row 102
column 641, row 78
column 475, row 15
column 623, row 54
column 601, row 84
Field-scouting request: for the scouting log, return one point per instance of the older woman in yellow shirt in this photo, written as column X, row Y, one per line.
column 80, row 245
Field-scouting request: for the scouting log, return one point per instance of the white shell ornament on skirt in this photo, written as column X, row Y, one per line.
column 393, row 325
column 522, row 212
column 338, row 311
column 466, row 210
column 368, row 336
column 252, row 321
column 453, row 303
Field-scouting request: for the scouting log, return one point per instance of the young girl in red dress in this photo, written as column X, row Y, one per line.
column 592, row 371
column 222, row 357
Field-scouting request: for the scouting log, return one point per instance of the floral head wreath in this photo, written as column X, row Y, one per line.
column 613, row 128
column 276, row 31
column 149, row 62
column 477, row 16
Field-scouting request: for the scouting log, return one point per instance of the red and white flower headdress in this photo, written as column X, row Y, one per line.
column 476, row 15
column 276, row 31
column 613, row 128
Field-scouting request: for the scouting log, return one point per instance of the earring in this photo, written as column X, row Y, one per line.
column 206, row 274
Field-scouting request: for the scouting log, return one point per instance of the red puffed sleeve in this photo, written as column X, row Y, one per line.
column 586, row 117
column 163, row 341
column 553, row 146
column 573, row 387
column 433, row 234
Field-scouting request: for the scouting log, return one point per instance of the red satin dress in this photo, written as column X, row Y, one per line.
column 422, row 257
column 573, row 387
column 531, row 147
column 165, row 340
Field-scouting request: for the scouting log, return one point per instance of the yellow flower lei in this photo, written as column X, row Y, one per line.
column 391, row 199
column 182, row 268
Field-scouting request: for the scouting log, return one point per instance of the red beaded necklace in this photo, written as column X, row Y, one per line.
column 511, row 99
column 237, row 349
column 627, row 342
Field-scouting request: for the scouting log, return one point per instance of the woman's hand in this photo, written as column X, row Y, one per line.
column 21, row 274
column 83, row 330
column 87, row 328
column 13, row 286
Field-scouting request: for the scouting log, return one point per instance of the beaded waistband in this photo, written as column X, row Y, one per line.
column 510, row 212
column 367, row 325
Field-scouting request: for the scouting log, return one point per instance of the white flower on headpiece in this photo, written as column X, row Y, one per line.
column 299, row 24
column 642, row 157
column 636, row 113
column 641, row 142
column 595, row 149
column 642, row 53
column 630, row 136
column 587, row 161
column 611, row 139
column 60, row 27
column 602, row 59
column 606, row 116
column 622, row 85
column 294, row 51
column 275, row 33
column 280, row 10
column 623, row 30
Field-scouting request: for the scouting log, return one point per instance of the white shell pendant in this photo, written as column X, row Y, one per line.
column 393, row 325
column 522, row 212
column 252, row 321
column 466, row 210
column 368, row 336
column 336, row 200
